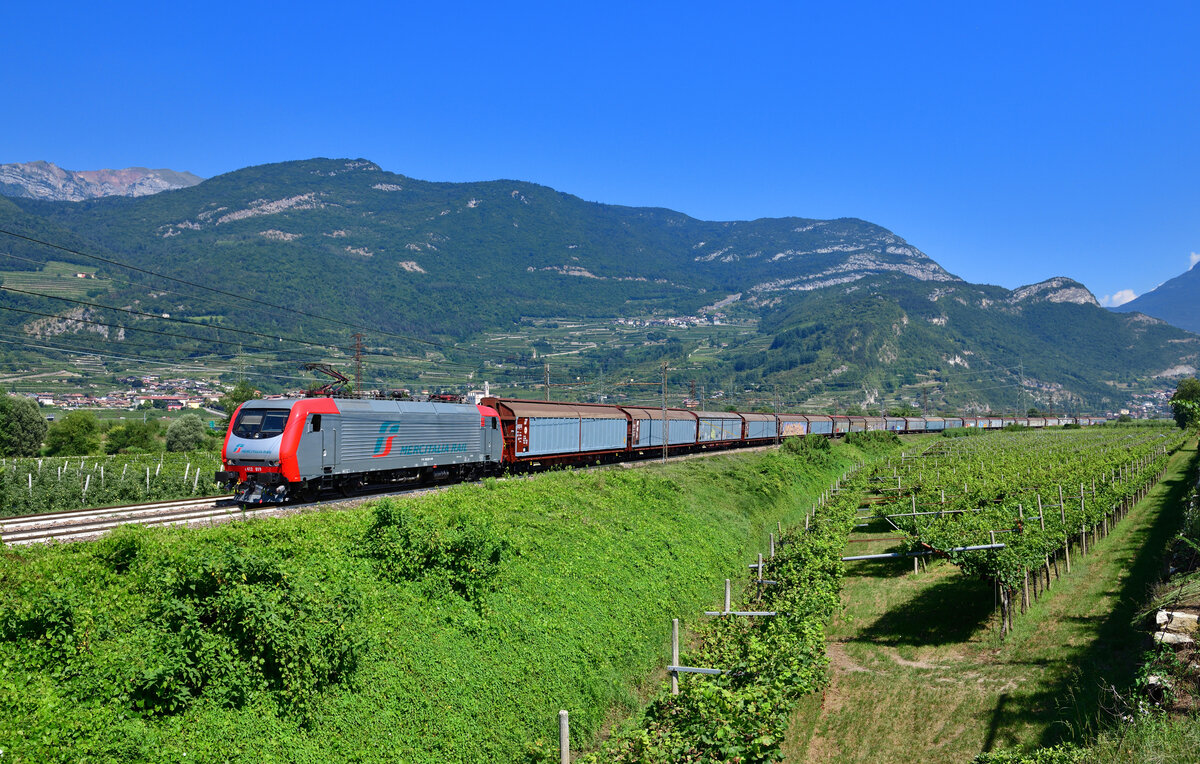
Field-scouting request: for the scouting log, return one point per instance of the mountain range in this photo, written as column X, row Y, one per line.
column 831, row 311
column 1176, row 301
column 45, row 180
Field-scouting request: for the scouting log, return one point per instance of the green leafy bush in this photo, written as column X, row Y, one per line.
column 874, row 440
column 186, row 434
column 1058, row 754
column 462, row 554
column 807, row 444
column 234, row 621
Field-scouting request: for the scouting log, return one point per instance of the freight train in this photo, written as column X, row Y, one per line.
column 283, row 450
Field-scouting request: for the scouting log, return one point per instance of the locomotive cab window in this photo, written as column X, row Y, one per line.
column 316, row 422
column 260, row 423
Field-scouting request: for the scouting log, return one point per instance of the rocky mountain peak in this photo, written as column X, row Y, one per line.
column 1057, row 289
column 46, row 180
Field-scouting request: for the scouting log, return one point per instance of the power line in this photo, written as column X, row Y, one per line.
column 143, row 329
column 125, row 343
column 243, row 298
column 182, row 366
column 160, row 317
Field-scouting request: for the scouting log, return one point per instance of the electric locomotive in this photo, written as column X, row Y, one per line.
column 281, row 450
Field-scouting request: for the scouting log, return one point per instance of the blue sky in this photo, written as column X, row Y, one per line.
column 1011, row 142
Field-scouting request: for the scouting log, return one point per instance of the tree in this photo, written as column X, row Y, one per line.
column 1185, row 403
column 243, row 391
column 133, row 437
column 22, row 426
column 76, row 434
column 186, row 434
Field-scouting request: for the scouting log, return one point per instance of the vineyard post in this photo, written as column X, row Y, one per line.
column 147, row 481
column 30, row 475
column 1041, row 514
column 101, row 475
column 187, row 469
column 196, row 480
column 156, row 469
column 123, row 470
column 1083, row 511
column 564, row 738
column 995, row 594
column 674, row 655
column 87, row 480
column 1004, row 605
column 727, row 597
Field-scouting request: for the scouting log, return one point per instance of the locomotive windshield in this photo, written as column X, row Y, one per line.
column 260, row 423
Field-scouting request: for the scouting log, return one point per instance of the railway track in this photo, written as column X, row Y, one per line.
column 83, row 524
column 88, row 524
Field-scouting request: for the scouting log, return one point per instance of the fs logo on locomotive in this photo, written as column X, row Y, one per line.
column 383, row 446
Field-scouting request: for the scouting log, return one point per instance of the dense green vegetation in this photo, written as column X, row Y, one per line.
column 1185, row 403
column 443, row 628
column 24, row 432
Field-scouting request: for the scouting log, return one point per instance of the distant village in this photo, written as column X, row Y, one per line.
column 680, row 322
column 1155, row 404
column 169, row 394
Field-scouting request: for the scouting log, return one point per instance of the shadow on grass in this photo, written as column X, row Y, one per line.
column 892, row 568
column 949, row 611
column 1111, row 660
